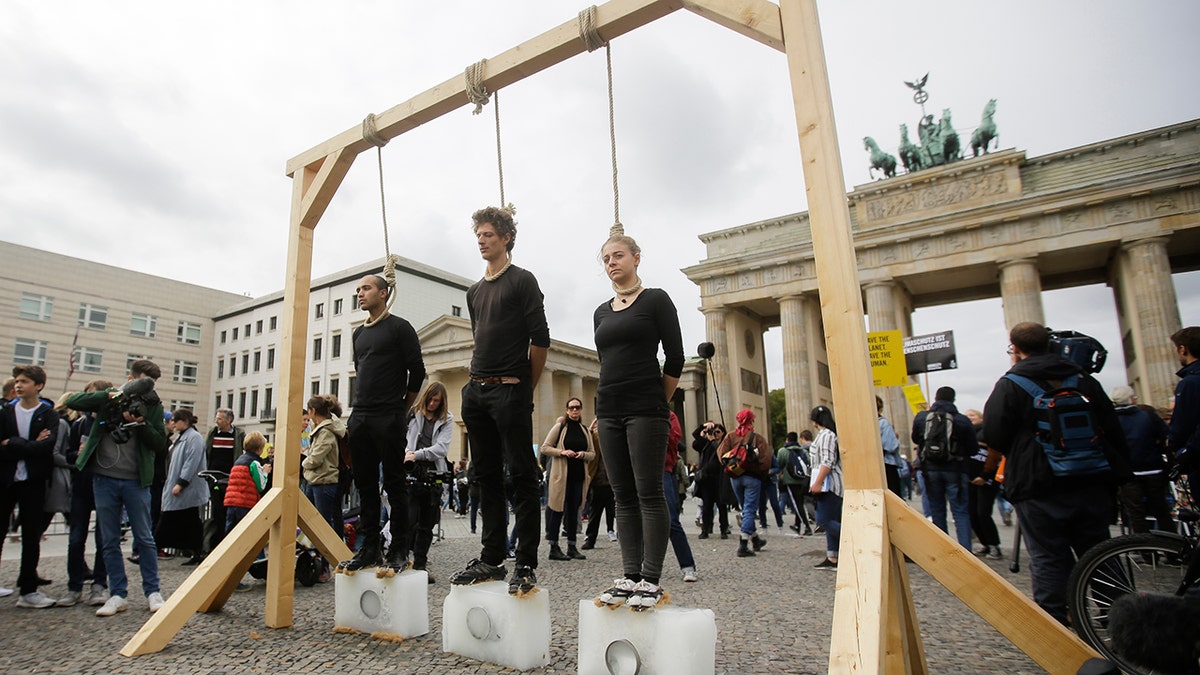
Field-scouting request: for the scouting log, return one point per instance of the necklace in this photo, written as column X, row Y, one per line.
column 627, row 291
column 497, row 275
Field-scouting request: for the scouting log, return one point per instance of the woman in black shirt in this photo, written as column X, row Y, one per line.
column 569, row 443
column 632, row 406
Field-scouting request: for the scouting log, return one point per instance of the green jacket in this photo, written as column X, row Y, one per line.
column 151, row 437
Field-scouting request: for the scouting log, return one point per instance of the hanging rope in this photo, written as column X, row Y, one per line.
column 590, row 35
column 372, row 136
column 478, row 94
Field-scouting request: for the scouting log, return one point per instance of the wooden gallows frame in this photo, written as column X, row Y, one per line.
column 875, row 627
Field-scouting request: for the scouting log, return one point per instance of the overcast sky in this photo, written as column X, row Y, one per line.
column 153, row 136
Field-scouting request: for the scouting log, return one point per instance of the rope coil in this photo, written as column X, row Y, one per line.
column 588, row 31
column 370, row 133
column 476, row 92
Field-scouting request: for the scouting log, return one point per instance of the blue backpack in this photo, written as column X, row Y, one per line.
column 1066, row 427
column 797, row 463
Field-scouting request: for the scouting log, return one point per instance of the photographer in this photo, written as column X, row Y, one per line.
column 711, row 483
column 120, row 451
column 430, row 427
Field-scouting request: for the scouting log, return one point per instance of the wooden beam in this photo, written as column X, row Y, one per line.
column 755, row 19
column 320, row 187
column 197, row 590
column 905, row 651
column 1055, row 647
column 322, row 536
column 613, row 19
column 858, row 643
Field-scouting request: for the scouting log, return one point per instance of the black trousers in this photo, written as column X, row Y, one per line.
column 378, row 439
column 30, row 496
column 424, row 505
column 500, row 427
column 602, row 500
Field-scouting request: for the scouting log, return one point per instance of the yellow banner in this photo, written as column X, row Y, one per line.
column 916, row 398
column 886, row 349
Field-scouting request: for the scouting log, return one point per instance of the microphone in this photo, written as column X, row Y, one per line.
column 706, row 350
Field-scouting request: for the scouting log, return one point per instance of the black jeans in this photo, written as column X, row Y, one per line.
column 30, row 495
column 1147, row 496
column 379, row 439
column 980, row 500
column 424, row 505
column 602, row 500
column 635, row 451
column 83, row 502
column 568, row 518
column 710, row 499
column 500, row 428
column 799, row 492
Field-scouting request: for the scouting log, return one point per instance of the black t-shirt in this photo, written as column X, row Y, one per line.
column 627, row 342
column 388, row 365
column 507, row 316
column 574, row 439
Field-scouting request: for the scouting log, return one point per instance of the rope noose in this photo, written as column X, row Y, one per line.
column 590, row 35
column 372, row 136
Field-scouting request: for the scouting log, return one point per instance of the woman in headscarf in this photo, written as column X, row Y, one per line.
column 749, row 486
column 826, row 484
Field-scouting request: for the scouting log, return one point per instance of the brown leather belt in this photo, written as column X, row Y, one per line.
column 496, row 380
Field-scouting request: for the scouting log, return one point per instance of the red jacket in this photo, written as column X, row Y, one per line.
column 241, row 490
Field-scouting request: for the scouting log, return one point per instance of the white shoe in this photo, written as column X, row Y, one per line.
column 98, row 596
column 155, row 600
column 70, row 599
column 689, row 574
column 612, row 535
column 115, row 604
column 5, row 592
column 35, row 600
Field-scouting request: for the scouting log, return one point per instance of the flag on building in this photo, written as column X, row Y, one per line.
column 74, row 351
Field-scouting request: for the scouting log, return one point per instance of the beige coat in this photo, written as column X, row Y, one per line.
column 558, row 469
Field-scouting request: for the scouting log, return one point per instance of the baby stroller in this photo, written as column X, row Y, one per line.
column 310, row 565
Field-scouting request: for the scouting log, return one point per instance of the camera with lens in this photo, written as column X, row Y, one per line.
column 136, row 397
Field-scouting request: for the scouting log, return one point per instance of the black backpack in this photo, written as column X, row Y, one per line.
column 1066, row 427
column 939, row 438
column 797, row 463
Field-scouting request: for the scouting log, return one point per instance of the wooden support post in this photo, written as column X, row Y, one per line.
column 988, row 594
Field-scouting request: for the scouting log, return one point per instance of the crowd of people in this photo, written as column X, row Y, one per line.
column 114, row 451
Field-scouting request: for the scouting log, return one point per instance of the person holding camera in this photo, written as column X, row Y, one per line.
column 570, row 444
column 710, row 478
column 430, row 427
column 120, row 451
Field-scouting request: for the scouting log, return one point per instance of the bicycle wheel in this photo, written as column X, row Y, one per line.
column 1151, row 563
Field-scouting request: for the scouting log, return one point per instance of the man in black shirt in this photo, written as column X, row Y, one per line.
column 389, row 372
column 508, row 321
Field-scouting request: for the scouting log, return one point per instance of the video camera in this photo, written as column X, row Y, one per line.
column 136, row 397
column 1083, row 350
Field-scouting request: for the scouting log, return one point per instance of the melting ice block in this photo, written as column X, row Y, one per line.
column 666, row 640
column 391, row 607
column 484, row 622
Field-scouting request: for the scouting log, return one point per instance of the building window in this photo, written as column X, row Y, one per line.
column 334, row 383
column 316, row 349
column 254, row 403
column 89, row 360
column 36, row 307
column 267, row 412
column 130, row 358
column 190, row 405
column 29, row 353
column 455, row 310
column 220, row 368
column 319, row 312
column 337, row 306
column 354, row 302
column 257, row 360
column 186, row 371
column 271, row 358
column 245, row 363
column 229, row 400
column 91, row 316
column 247, row 333
column 143, row 325
column 222, row 337
column 258, row 327
column 189, row 333
column 335, row 346
column 350, row 392
column 241, row 405
column 316, row 387
column 235, row 331
column 232, row 366
column 273, row 322
column 216, row 403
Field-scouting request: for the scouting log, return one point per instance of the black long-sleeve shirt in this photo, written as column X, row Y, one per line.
column 627, row 342
column 388, row 365
column 507, row 316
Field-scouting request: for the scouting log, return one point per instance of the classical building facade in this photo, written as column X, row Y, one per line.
column 113, row 316
column 1125, row 212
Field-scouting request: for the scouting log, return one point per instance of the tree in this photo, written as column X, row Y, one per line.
column 779, row 422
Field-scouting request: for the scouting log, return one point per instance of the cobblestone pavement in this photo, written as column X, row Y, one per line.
column 773, row 613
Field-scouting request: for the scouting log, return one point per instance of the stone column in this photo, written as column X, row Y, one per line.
column 798, row 380
column 1151, row 311
column 434, row 375
column 1021, row 292
column 577, row 387
column 548, row 406
column 719, row 384
column 884, row 313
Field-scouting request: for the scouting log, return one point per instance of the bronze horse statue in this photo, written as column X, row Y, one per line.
column 951, row 146
column 879, row 159
column 986, row 131
column 910, row 153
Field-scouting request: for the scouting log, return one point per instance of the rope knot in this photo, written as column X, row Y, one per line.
column 588, row 31
column 370, row 133
column 476, row 92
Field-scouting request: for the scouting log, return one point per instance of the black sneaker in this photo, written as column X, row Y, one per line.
column 826, row 564
column 523, row 580
column 478, row 572
column 367, row 556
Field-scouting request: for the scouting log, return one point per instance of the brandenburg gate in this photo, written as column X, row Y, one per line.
column 1125, row 212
